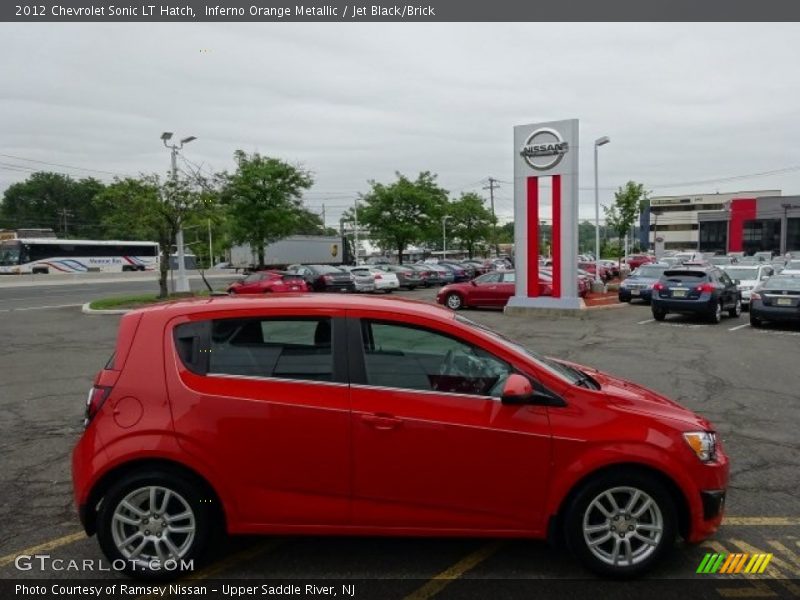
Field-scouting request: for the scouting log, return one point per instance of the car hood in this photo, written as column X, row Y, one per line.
column 641, row 400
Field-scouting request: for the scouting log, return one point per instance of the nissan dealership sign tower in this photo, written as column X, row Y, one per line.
column 546, row 150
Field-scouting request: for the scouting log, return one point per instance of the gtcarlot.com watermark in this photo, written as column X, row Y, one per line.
column 44, row 562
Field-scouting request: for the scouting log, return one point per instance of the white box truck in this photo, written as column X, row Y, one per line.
column 303, row 249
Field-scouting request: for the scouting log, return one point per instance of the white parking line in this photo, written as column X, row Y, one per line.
column 647, row 321
column 739, row 327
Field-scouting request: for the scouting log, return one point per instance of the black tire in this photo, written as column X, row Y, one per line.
column 755, row 321
column 411, row 288
column 622, row 299
column 454, row 301
column 736, row 311
column 621, row 484
column 40, row 271
column 185, row 492
column 715, row 312
column 659, row 314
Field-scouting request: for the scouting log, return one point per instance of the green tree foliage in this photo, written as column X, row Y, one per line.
column 53, row 200
column 621, row 215
column 471, row 222
column 149, row 208
column 404, row 212
column 263, row 198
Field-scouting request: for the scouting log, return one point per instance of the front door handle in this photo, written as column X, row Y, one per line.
column 382, row 421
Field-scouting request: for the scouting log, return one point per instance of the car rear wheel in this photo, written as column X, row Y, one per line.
column 715, row 315
column 659, row 314
column 620, row 524
column 736, row 311
column 454, row 301
column 154, row 522
column 755, row 321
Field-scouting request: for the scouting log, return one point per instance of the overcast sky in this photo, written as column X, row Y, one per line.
column 353, row 102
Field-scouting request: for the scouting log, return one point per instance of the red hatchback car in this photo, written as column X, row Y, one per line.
column 269, row 282
column 355, row 416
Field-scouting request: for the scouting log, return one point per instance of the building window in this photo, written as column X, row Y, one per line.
column 762, row 235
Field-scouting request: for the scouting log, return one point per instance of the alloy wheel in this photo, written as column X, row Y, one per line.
column 623, row 526
column 153, row 523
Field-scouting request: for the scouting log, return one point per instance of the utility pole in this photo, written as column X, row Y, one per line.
column 355, row 231
column 210, row 247
column 64, row 214
column 493, row 184
column 323, row 216
column 182, row 285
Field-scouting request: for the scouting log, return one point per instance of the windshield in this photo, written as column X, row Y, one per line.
column 569, row 374
column 9, row 254
column 742, row 272
column 650, row 271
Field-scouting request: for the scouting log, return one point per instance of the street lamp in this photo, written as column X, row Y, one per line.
column 597, row 143
column 444, row 236
column 182, row 285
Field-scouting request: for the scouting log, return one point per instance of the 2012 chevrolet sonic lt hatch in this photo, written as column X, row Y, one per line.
column 351, row 415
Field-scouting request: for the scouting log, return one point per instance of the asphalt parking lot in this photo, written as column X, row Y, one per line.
column 745, row 380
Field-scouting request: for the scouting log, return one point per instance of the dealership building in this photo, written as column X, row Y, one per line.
column 747, row 221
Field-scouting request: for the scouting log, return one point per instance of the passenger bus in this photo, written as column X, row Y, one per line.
column 51, row 255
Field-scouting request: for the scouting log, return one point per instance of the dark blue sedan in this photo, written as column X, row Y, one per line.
column 639, row 285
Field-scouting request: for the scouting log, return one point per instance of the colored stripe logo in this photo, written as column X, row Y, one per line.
column 734, row 563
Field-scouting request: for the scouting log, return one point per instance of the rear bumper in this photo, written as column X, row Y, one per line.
column 701, row 305
column 773, row 313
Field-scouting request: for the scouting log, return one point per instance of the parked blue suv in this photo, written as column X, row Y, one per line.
column 706, row 291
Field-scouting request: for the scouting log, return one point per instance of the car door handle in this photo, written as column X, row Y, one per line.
column 384, row 422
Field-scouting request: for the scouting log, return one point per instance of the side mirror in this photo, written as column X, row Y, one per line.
column 517, row 390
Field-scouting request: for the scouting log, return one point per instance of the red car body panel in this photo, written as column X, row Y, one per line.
column 286, row 456
column 497, row 294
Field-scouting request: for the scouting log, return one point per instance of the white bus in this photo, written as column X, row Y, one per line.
column 50, row 255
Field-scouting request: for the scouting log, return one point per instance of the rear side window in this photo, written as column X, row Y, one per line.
column 282, row 348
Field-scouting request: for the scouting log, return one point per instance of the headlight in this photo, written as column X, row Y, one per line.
column 703, row 443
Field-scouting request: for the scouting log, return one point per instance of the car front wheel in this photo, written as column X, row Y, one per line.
column 620, row 524
column 155, row 523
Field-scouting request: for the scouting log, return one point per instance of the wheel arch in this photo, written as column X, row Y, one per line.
column 89, row 510
column 556, row 524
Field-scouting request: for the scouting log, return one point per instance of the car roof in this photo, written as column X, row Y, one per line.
column 308, row 302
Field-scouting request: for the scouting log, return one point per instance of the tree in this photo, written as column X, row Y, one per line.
column 404, row 212
column 56, row 201
column 471, row 222
column 621, row 215
column 147, row 208
column 263, row 200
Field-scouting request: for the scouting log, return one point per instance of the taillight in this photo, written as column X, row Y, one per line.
column 378, row 276
column 658, row 286
column 327, row 278
column 755, row 296
column 705, row 287
column 94, row 402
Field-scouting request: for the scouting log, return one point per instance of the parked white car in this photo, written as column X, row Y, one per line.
column 385, row 281
column 362, row 277
column 792, row 268
column 748, row 277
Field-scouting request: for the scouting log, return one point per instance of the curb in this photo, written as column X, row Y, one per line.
column 88, row 310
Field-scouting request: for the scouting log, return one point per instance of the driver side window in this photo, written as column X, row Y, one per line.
column 401, row 356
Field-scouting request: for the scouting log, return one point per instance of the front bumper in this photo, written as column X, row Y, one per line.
column 629, row 294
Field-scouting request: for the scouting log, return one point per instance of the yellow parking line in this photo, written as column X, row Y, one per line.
column 446, row 577
column 786, row 552
column 762, row 521
column 44, row 547
column 777, row 567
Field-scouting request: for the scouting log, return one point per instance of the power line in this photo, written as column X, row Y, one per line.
column 63, row 166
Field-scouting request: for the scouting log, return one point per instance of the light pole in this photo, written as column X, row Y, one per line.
column 182, row 285
column 444, row 236
column 597, row 143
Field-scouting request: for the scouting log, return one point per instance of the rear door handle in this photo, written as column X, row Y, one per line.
column 384, row 422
